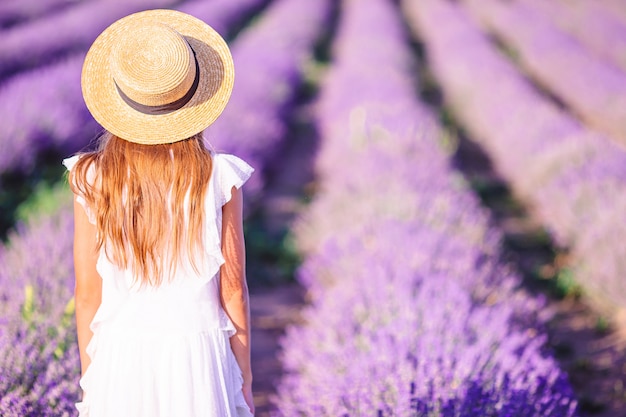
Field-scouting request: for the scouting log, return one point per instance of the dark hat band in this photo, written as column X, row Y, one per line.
column 164, row 108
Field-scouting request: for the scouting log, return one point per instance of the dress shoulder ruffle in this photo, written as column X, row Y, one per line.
column 229, row 171
column 69, row 164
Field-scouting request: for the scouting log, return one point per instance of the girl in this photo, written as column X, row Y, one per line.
column 161, row 298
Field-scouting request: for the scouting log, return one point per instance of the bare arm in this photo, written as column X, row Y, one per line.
column 233, row 286
column 88, row 287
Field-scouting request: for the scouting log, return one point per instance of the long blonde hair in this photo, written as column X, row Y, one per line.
column 148, row 202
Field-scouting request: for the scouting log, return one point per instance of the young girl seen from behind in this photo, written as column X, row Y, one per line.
column 161, row 298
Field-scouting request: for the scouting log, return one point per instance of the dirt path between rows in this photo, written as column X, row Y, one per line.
column 275, row 297
column 271, row 311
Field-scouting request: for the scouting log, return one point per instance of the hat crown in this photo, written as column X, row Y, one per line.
column 153, row 65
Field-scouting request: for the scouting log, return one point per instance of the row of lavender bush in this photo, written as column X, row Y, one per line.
column 39, row 358
column 593, row 88
column 269, row 59
column 74, row 29
column 574, row 179
column 616, row 7
column 38, row 353
column 594, row 26
column 14, row 12
column 411, row 312
column 43, row 108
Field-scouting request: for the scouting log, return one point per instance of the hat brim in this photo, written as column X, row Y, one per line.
column 215, row 82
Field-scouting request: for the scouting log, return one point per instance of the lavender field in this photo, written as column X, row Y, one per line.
column 358, row 116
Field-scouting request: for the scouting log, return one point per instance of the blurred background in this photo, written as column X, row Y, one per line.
column 436, row 225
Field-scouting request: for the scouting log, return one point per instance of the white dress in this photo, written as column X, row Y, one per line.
column 165, row 351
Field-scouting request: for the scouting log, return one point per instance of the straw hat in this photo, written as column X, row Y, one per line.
column 157, row 76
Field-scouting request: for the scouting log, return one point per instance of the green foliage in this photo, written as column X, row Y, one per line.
column 312, row 72
column 67, row 322
column 18, row 187
column 602, row 325
column 272, row 257
column 507, row 49
column 566, row 285
column 29, row 303
column 45, row 199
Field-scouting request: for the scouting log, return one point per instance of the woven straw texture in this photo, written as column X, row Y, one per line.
column 150, row 57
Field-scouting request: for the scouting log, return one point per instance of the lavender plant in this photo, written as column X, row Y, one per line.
column 591, row 87
column 269, row 57
column 72, row 30
column 42, row 110
column 38, row 352
column 222, row 15
column 615, row 7
column 399, row 335
column 572, row 177
column 411, row 311
column 21, row 11
column 594, row 26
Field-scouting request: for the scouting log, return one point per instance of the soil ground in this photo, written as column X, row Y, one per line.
column 275, row 297
column 271, row 311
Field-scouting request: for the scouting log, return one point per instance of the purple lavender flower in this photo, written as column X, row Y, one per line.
column 593, row 25
column 20, row 12
column 573, row 178
column 411, row 311
column 73, row 29
column 594, row 89
column 38, row 352
column 269, row 57
column 222, row 15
